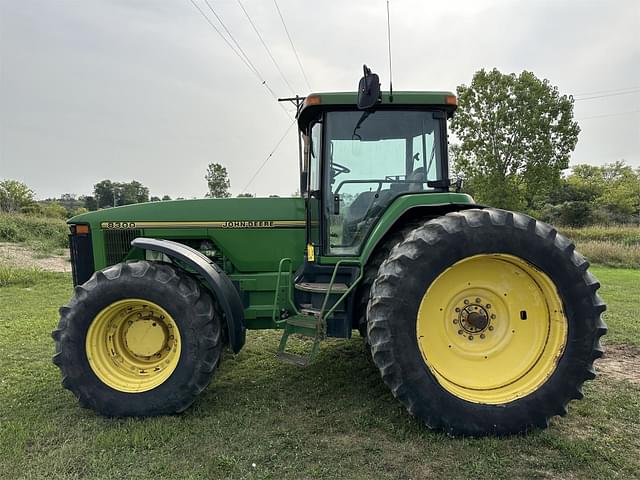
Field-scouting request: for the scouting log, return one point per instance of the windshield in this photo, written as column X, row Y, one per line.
column 371, row 158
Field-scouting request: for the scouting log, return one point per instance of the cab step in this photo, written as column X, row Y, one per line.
column 307, row 324
column 321, row 287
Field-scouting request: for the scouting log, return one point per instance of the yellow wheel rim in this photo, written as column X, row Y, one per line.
column 491, row 328
column 133, row 345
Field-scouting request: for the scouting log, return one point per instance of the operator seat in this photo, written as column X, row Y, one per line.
column 417, row 176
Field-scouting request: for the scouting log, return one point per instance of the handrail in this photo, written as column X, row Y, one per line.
column 347, row 292
column 277, row 293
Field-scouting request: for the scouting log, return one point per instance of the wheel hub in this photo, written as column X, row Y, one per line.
column 146, row 337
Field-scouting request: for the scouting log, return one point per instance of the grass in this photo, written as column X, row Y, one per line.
column 41, row 234
column 334, row 419
column 613, row 246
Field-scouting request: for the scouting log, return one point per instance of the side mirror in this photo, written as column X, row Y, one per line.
column 368, row 89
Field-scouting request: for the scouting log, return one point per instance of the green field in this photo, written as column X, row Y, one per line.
column 264, row 419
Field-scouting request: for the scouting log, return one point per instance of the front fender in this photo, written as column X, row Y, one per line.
column 226, row 294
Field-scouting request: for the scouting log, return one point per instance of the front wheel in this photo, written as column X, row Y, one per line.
column 485, row 322
column 138, row 339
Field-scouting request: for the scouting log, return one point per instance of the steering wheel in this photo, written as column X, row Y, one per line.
column 338, row 169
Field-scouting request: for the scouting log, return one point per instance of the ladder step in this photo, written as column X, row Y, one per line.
column 293, row 359
column 309, row 322
column 321, row 287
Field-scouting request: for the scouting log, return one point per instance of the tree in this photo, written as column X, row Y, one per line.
column 104, row 194
column 217, row 181
column 90, row 203
column 154, row 199
column 516, row 133
column 165, row 198
column 247, row 195
column 14, row 196
column 124, row 193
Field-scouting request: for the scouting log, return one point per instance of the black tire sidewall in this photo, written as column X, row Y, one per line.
column 178, row 301
column 451, row 239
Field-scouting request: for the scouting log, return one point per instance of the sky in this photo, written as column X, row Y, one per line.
column 147, row 90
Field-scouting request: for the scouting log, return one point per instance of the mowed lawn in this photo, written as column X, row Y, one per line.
column 263, row 419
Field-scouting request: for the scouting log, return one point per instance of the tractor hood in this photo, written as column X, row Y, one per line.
column 197, row 213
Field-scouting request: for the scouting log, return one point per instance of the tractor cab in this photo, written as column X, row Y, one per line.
column 356, row 161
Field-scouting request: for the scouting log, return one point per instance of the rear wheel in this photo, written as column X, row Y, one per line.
column 138, row 339
column 485, row 322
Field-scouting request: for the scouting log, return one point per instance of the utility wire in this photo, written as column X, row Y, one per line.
column 598, row 92
column 608, row 115
column 608, row 95
column 233, row 39
column 264, row 44
column 295, row 52
column 208, row 20
column 240, row 53
column 244, row 190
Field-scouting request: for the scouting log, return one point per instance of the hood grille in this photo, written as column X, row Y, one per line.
column 117, row 243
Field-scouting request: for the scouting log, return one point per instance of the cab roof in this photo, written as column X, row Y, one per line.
column 314, row 103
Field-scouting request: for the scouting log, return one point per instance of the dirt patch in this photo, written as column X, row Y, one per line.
column 620, row 361
column 20, row 256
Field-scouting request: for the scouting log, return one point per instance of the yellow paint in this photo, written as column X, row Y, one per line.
column 311, row 253
column 491, row 328
column 133, row 345
column 227, row 224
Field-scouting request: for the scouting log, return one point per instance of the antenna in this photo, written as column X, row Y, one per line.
column 389, row 42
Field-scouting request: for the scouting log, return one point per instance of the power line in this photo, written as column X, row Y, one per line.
column 608, row 115
column 244, row 190
column 608, row 95
column 255, row 29
column 245, row 59
column 295, row 52
column 208, row 20
column 233, row 39
column 598, row 92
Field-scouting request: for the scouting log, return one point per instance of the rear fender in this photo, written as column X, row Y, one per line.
column 225, row 293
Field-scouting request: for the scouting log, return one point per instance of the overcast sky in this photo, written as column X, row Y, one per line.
column 147, row 90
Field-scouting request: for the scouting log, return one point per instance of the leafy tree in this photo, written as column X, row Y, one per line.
column 247, row 195
column 90, row 203
column 104, row 194
column 595, row 194
column 14, row 196
column 217, row 181
column 516, row 133
column 125, row 193
column 165, row 198
column 154, row 199
column 53, row 210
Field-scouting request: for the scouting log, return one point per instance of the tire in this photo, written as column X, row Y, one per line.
column 404, row 325
column 105, row 301
column 370, row 274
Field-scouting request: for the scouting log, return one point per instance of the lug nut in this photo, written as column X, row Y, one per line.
column 493, row 317
column 470, row 337
column 457, row 309
column 466, row 302
column 478, row 300
column 482, row 335
column 459, row 332
column 455, row 320
column 488, row 305
column 490, row 327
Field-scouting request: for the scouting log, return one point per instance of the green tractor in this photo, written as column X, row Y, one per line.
column 480, row 321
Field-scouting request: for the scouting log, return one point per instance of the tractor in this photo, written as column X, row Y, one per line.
column 481, row 321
